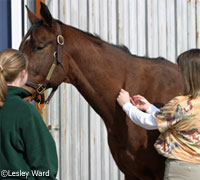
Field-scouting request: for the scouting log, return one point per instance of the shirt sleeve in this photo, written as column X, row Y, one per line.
column 169, row 115
column 140, row 118
column 152, row 109
column 38, row 144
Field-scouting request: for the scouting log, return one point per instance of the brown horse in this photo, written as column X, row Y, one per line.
column 99, row 70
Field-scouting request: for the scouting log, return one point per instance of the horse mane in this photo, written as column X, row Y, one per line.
column 97, row 40
column 125, row 48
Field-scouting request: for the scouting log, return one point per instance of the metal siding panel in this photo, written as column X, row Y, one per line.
column 62, row 13
column 84, row 138
column 191, row 24
column 16, row 23
column 74, row 16
column 184, row 27
column 133, row 31
column 198, row 24
column 181, row 19
column 141, row 24
column 126, row 21
column 66, row 11
column 171, row 47
column 53, row 119
column 105, row 152
column 95, row 148
column 69, row 135
column 120, row 19
column 104, row 19
column 53, row 6
column 112, row 19
column 65, row 135
column 83, row 15
column 75, row 142
column 113, row 169
column 152, row 26
column 123, row 26
column 162, row 28
column 26, row 23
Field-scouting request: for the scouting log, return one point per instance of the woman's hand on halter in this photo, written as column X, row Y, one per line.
column 140, row 102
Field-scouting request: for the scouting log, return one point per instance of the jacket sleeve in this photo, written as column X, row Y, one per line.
column 169, row 115
column 39, row 146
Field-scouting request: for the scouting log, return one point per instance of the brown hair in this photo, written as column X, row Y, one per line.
column 189, row 63
column 11, row 63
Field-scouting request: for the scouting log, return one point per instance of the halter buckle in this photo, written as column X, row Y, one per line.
column 60, row 40
column 40, row 89
column 55, row 54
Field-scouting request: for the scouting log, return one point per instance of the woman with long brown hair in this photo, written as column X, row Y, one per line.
column 178, row 121
column 27, row 149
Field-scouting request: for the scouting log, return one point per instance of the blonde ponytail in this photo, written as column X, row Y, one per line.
column 3, row 89
column 11, row 63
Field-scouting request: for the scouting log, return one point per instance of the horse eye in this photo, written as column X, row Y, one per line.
column 39, row 47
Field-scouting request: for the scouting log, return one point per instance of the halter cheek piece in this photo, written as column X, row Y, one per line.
column 40, row 88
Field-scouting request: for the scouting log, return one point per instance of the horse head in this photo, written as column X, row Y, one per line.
column 42, row 45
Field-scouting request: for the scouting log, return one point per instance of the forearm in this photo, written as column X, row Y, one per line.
column 145, row 120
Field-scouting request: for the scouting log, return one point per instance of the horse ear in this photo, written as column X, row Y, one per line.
column 32, row 17
column 45, row 14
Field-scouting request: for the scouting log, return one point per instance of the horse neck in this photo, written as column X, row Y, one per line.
column 95, row 70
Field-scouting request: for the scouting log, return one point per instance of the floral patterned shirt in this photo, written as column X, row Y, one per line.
column 179, row 124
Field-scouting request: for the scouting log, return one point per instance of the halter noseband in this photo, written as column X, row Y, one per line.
column 40, row 88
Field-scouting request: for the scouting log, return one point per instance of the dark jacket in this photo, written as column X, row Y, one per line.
column 26, row 146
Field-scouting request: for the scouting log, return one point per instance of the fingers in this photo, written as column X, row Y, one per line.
column 123, row 91
column 139, row 98
column 132, row 101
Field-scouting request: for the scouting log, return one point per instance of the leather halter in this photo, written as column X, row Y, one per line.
column 41, row 87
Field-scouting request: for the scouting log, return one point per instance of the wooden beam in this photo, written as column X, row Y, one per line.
column 37, row 7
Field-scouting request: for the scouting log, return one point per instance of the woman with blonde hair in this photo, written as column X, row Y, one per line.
column 27, row 149
column 178, row 121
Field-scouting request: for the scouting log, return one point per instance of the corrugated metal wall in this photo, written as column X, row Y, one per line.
column 149, row 28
